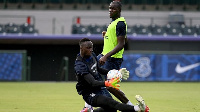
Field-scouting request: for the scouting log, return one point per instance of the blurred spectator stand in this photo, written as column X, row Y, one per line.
column 17, row 24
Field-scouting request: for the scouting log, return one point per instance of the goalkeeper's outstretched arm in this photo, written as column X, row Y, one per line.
column 114, row 83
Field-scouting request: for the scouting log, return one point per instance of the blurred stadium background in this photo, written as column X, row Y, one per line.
column 39, row 38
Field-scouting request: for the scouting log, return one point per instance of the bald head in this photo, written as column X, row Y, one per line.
column 117, row 4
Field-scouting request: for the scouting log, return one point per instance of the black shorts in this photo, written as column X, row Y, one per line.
column 89, row 97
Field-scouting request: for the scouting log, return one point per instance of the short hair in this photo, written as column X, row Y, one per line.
column 118, row 3
column 83, row 40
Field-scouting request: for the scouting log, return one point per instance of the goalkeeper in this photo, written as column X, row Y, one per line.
column 91, row 86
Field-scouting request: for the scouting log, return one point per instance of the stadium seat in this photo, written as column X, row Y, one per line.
column 143, row 31
column 153, row 27
column 187, row 30
column 131, row 30
column 2, row 30
column 81, row 29
column 12, row 28
column 158, row 31
column 88, row 29
column 196, row 28
column 98, row 29
column 75, row 28
column 176, row 26
column 92, row 28
column 104, row 27
column 137, row 27
column 169, row 27
column 15, row 30
column 174, row 31
column 28, row 28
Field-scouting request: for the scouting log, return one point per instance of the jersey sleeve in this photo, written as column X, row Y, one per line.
column 121, row 28
column 80, row 68
column 94, row 83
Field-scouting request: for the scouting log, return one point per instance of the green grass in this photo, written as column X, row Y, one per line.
column 62, row 96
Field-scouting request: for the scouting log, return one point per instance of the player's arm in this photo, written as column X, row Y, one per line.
column 114, row 83
column 102, row 71
column 82, row 70
column 103, row 33
column 94, row 83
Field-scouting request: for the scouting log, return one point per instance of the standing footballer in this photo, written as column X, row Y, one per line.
column 114, row 41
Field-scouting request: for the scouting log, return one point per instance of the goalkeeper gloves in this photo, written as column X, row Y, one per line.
column 114, row 82
column 125, row 73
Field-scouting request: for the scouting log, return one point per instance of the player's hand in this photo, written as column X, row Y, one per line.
column 114, row 82
column 125, row 73
column 102, row 60
column 103, row 33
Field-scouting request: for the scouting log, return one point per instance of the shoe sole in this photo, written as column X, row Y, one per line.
column 141, row 102
column 86, row 110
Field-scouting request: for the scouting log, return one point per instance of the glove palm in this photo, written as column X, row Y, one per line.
column 114, row 82
column 125, row 73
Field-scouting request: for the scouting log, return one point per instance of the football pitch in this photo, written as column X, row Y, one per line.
column 62, row 96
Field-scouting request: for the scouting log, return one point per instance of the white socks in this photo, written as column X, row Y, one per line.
column 87, row 105
column 136, row 107
column 129, row 103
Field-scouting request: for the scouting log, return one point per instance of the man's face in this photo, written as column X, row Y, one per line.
column 113, row 10
column 87, row 49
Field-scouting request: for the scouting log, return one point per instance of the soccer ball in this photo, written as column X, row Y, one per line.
column 114, row 74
